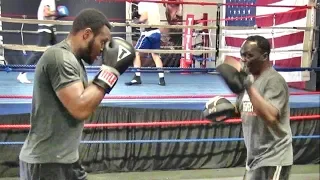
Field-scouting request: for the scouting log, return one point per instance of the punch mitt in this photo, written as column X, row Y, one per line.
column 219, row 109
column 236, row 81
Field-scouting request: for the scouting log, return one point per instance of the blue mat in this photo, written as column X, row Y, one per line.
column 177, row 84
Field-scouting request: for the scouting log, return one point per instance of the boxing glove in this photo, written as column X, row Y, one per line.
column 236, row 81
column 218, row 109
column 62, row 11
column 117, row 56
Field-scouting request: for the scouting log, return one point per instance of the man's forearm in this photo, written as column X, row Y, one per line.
column 52, row 13
column 261, row 107
column 90, row 100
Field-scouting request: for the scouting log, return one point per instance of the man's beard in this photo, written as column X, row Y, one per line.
column 86, row 56
column 173, row 21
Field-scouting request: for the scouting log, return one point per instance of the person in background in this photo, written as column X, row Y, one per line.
column 150, row 39
column 46, row 11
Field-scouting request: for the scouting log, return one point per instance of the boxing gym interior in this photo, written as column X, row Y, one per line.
column 153, row 132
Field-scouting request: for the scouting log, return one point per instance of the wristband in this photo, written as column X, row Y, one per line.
column 106, row 78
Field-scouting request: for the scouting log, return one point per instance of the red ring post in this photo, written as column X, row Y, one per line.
column 186, row 61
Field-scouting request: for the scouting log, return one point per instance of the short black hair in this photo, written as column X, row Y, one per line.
column 262, row 43
column 90, row 18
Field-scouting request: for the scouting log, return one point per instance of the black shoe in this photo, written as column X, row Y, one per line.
column 135, row 81
column 162, row 82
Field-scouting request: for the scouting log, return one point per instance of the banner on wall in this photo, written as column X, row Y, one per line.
column 280, row 39
column 170, row 14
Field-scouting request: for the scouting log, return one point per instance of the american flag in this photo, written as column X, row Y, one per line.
column 280, row 39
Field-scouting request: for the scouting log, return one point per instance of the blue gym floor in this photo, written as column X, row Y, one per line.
column 177, row 84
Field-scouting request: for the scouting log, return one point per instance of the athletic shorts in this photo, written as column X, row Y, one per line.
column 52, row 171
column 149, row 40
column 268, row 173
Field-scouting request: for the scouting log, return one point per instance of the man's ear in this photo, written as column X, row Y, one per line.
column 265, row 56
column 87, row 33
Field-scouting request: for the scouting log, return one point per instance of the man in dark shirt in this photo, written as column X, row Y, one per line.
column 63, row 98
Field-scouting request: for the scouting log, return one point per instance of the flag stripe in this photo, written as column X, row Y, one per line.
column 291, row 62
column 271, row 10
column 297, row 23
column 283, row 41
column 273, row 56
column 298, row 85
column 288, row 40
column 267, row 33
column 280, row 18
column 267, row 2
column 296, row 76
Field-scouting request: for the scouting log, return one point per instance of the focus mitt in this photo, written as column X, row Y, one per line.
column 236, row 81
column 219, row 109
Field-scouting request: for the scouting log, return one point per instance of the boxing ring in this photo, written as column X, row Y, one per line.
column 150, row 127
column 147, row 119
column 185, row 91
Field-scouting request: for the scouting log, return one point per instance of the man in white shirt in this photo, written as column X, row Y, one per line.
column 46, row 37
column 150, row 39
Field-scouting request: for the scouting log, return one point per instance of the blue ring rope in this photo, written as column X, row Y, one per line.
column 166, row 140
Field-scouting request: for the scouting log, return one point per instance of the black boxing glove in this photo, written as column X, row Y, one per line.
column 236, row 81
column 219, row 109
column 117, row 56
